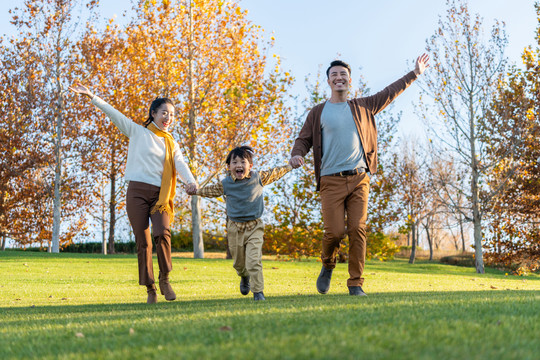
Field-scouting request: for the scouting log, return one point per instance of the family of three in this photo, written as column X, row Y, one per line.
column 340, row 132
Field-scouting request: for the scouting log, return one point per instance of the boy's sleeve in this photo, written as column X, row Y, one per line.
column 269, row 176
column 215, row 190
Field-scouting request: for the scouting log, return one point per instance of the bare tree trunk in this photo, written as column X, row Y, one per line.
column 477, row 218
column 57, row 202
column 426, row 226
column 198, row 245
column 413, row 249
column 103, row 228
column 3, row 242
column 478, row 253
column 112, row 208
column 461, row 231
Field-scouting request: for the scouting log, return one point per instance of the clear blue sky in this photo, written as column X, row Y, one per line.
column 377, row 36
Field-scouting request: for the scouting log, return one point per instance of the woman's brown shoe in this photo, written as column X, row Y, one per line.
column 166, row 288
column 152, row 294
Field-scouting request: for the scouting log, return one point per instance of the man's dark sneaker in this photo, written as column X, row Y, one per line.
column 323, row 281
column 244, row 285
column 356, row 291
column 258, row 296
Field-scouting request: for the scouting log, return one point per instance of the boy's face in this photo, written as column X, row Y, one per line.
column 239, row 167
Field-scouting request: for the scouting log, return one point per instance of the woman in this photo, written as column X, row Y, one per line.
column 152, row 164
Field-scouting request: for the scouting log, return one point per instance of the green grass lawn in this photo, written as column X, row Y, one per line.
column 73, row 306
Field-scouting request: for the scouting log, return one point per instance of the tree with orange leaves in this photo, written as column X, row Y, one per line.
column 512, row 130
column 45, row 28
column 211, row 60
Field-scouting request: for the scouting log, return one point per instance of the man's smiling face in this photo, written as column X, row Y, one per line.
column 339, row 78
column 240, row 167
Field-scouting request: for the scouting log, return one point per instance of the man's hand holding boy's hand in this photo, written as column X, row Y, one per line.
column 296, row 161
column 191, row 189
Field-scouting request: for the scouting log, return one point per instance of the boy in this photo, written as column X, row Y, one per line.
column 243, row 190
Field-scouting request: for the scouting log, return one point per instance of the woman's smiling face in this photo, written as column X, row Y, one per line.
column 164, row 116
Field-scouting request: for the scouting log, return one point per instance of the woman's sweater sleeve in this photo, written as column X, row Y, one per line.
column 122, row 122
column 182, row 167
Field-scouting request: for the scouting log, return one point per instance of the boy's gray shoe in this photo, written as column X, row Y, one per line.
column 244, row 285
column 258, row 296
column 356, row 291
column 323, row 281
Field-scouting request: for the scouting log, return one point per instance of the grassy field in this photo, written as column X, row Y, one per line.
column 77, row 306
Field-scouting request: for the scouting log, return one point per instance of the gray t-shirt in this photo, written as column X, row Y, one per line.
column 341, row 146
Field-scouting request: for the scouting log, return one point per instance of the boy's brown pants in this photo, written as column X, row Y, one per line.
column 340, row 196
column 246, row 251
column 141, row 197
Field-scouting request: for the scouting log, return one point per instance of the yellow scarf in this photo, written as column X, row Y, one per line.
column 168, row 179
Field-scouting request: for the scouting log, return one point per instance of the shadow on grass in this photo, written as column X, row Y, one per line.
column 240, row 327
column 190, row 307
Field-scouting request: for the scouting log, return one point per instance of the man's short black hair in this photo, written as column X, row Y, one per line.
column 338, row 63
column 242, row 152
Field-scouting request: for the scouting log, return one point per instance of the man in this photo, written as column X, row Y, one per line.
column 343, row 135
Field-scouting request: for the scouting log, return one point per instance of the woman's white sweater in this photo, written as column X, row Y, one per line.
column 146, row 151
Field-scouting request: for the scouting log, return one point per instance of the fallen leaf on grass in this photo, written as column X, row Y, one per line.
column 493, row 287
column 131, row 331
column 63, row 298
column 225, row 328
column 18, row 299
column 273, row 267
column 79, row 335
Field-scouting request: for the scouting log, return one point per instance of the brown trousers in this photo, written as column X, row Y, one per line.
column 141, row 197
column 340, row 196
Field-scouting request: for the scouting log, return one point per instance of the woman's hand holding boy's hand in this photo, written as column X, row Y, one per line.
column 191, row 189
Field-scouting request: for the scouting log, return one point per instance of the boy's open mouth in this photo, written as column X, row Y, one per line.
column 239, row 172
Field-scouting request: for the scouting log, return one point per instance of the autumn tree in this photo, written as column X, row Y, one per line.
column 106, row 64
column 514, row 123
column 466, row 69
column 44, row 32
column 212, row 61
column 413, row 193
column 22, row 160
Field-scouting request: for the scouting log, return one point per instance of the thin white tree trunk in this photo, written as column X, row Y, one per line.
column 198, row 245
column 57, row 202
column 462, row 234
column 414, row 242
column 478, row 253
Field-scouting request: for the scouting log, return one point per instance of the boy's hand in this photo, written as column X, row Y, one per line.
column 191, row 189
